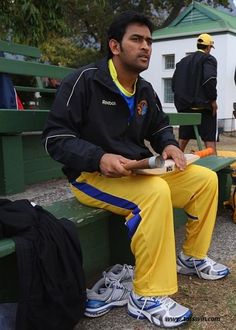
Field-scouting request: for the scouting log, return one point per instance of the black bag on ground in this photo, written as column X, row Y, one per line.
column 51, row 277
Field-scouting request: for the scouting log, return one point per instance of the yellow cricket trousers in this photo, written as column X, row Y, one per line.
column 147, row 203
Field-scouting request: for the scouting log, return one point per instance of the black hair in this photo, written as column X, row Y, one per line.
column 201, row 46
column 118, row 26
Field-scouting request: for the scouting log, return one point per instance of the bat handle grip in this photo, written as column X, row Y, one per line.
column 156, row 162
column 151, row 162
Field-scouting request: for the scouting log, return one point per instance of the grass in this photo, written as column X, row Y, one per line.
column 213, row 302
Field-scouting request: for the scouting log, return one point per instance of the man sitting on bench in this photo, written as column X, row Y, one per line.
column 100, row 118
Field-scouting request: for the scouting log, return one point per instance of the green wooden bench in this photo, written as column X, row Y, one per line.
column 23, row 160
column 186, row 119
column 29, row 66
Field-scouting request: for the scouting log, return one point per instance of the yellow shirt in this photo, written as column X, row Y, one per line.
column 113, row 73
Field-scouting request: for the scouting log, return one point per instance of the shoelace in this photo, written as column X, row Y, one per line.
column 207, row 260
column 195, row 266
column 130, row 270
column 126, row 268
column 145, row 302
column 111, row 283
column 165, row 300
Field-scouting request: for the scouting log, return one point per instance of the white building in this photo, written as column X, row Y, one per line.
column 179, row 38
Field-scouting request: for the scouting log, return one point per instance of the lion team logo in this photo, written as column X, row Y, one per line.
column 142, row 108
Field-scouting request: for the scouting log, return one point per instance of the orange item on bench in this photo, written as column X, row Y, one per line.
column 205, row 152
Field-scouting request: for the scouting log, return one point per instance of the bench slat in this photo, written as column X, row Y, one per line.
column 80, row 214
column 18, row 49
column 18, row 117
column 33, row 69
column 215, row 163
column 21, row 121
column 35, row 89
column 184, row 118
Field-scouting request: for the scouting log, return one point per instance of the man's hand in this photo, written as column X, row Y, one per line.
column 111, row 165
column 176, row 154
column 214, row 108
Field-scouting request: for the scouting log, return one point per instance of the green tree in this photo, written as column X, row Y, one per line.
column 90, row 19
column 30, row 21
column 73, row 32
column 63, row 51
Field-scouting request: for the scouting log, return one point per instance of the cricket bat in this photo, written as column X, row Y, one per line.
column 156, row 165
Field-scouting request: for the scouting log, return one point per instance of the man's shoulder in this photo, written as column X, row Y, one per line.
column 185, row 59
column 212, row 58
column 87, row 71
column 205, row 57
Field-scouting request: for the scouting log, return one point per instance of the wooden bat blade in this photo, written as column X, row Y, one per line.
column 168, row 167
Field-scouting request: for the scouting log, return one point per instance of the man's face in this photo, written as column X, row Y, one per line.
column 135, row 49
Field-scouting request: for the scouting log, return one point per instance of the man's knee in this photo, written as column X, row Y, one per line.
column 157, row 187
column 205, row 175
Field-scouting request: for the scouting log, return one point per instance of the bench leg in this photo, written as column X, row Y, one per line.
column 11, row 165
column 8, row 279
column 199, row 142
column 225, row 183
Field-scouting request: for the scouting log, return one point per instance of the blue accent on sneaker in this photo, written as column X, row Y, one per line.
column 161, row 311
column 204, row 268
column 110, row 291
column 94, row 303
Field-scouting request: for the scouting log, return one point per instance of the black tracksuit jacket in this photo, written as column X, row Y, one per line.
column 194, row 81
column 90, row 117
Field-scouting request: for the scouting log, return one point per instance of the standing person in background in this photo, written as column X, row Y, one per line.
column 194, row 86
column 100, row 119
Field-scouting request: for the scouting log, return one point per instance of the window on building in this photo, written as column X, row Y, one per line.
column 168, row 93
column 169, row 61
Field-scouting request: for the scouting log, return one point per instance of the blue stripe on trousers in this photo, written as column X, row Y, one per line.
column 91, row 191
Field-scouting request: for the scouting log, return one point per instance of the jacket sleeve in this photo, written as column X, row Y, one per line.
column 162, row 132
column 210, row 78
column 61, row 136
column 173, row 81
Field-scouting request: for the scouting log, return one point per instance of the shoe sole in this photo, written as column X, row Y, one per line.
column 141, row 315
column 92, row 312
column 186, row 271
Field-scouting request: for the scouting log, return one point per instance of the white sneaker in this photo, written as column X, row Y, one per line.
column 122, row 273
column 161, row 311
column 205, row 268
column 110, row 291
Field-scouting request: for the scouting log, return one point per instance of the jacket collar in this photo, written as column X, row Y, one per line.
column 104, row 77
